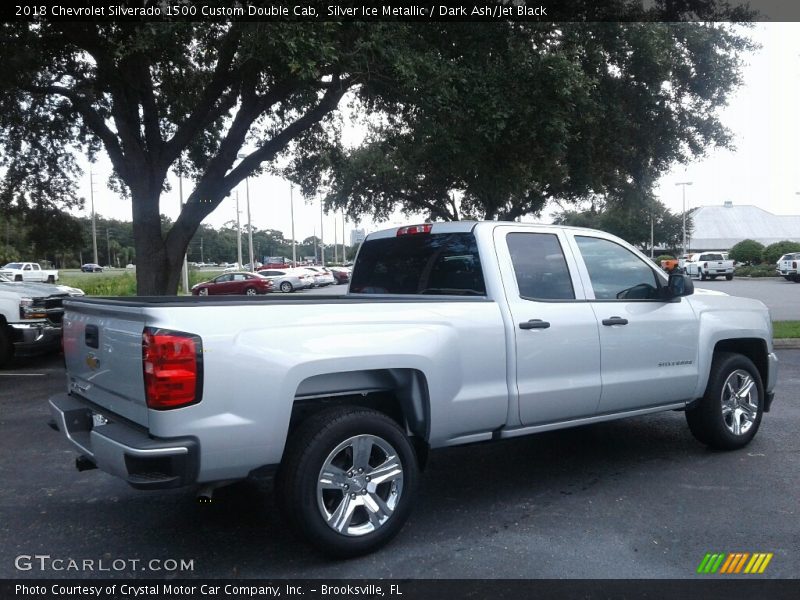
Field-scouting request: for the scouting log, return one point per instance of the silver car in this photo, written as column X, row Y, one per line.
column 286, row 280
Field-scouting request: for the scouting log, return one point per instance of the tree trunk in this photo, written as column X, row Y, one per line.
column 157, row 273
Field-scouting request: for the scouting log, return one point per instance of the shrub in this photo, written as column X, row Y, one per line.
column 756, row 271
column 774, row 251
column 747, row 251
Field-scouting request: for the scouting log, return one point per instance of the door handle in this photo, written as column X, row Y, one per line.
column 615, row 321
column 534, row 324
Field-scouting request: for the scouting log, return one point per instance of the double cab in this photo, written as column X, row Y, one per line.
column 450, row 333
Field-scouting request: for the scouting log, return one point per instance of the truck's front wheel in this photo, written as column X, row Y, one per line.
column 727, row 417
column 348, row 479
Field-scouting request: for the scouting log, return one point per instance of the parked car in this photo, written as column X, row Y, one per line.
column 450, row 334
column 787, row 267
column 322, row 276
column 340, row 275
column 286, row 280
column 28, row 271
column 249, row 284
column 91, row 268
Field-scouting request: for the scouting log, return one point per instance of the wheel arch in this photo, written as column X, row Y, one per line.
column 753, row 348
column 400, row 393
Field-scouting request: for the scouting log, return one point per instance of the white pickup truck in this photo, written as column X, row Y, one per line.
column 709, row 265
column 28, row 271
column 30, row 317
column 450, row 333
column 787, row 267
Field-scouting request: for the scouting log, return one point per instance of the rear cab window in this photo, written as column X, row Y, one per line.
column 446, row 264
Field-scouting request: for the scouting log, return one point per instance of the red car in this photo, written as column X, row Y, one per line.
column 248, row 284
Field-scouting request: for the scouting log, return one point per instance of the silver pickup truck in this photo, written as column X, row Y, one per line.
column 450, row 333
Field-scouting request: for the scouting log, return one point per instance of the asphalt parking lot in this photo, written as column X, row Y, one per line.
column 630, row 499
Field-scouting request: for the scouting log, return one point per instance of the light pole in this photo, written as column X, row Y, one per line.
column 94, row 227
column 291, row 209
column 683, row 185
column 321, row 243
column 249, row 222
column 185, row 269
column 238, row 234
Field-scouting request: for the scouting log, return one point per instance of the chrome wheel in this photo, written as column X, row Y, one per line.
column 250, row 292
column 360, row 485
column 286, row 287
column 740, row 402
column 203, row 292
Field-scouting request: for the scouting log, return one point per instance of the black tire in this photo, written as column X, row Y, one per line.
column 707, row 420
column 728, row 277
column 51, row 279
column 322, row 440
column 6, row 346
column 287, row 287
column 787, row 277
column 712, row 277
column 702, row 275
column 17, row 277
column 796, row 278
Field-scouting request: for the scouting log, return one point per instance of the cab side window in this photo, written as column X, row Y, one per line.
column 540, row 266
column 616, row 272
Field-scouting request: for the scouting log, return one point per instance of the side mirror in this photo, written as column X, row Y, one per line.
column 680, row 285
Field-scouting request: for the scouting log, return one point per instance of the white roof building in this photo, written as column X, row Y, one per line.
column 721, row 227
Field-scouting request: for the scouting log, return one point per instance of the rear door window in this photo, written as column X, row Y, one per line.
column 540, row 266
column 437, row 264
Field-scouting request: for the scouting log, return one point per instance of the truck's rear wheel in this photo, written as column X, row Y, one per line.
column 729, row 414
column 729, row 277
column 348, row 480
column 51, row 279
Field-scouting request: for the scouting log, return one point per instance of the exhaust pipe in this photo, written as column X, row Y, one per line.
column 205, row 493
column 83, row 463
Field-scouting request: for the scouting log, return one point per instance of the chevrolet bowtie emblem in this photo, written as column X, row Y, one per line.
column 92, row 361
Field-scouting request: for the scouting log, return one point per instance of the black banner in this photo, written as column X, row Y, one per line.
column 221, row 11
column 313, row 589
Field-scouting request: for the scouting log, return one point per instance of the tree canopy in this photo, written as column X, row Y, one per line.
column 465, row 119
column 632, row 222
column 161, row 96
column 516, row 115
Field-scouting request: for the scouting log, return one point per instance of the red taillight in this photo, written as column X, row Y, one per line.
column 173, row 368
column 414, row 229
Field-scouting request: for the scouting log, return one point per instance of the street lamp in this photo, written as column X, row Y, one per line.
column 185, row 269
column 683, row 185
column 238, row 235
column 249, row 223
column 291, row 209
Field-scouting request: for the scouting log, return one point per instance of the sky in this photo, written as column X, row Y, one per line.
column 762, row 170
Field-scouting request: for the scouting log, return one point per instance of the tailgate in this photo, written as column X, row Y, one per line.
column 103, row 354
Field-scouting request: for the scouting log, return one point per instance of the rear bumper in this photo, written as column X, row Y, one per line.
column 125, row 450
column 32, row 338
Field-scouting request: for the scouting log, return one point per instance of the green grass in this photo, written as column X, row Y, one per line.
column 112, row 283
column 786, row 329
column 117, row 283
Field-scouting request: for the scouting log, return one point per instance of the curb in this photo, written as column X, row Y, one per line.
column 787, row 343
